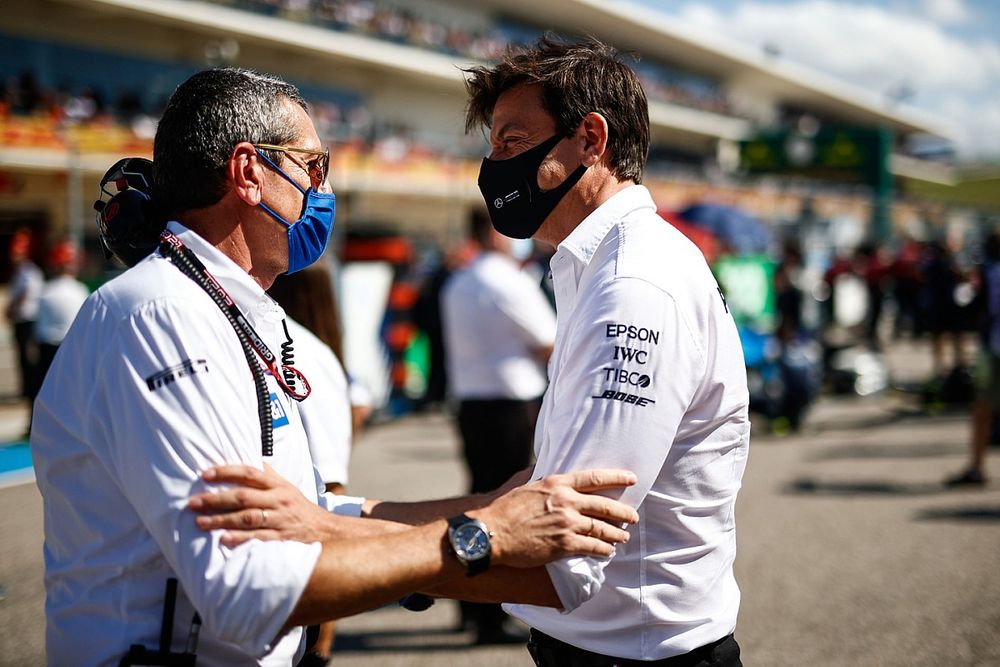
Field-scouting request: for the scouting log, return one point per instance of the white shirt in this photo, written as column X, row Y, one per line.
column 647, row 375
column 58, row 304
column 25, row 286
column 493, row 317
column 149, row 389
column 326, row 413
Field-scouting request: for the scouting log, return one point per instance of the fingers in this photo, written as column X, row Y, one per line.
column 244, row 475
column 591, row 546
column 588, row 481
column 230, row 499
column 248, row 519
column 600, row 530
column 605, row 509
column 234, row 538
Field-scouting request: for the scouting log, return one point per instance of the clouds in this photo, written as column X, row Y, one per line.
column 952, row 12
column 952, row 73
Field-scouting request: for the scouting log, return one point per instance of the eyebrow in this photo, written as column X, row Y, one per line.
column 506, row 127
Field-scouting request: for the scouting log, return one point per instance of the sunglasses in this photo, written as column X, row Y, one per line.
column 317, row 168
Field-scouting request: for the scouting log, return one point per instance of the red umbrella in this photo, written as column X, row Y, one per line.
column 701, row 237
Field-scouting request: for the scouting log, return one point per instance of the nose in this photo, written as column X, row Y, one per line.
column 499, row 154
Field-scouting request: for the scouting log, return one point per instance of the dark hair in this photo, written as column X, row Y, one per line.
column 205, row 118
column 307, row 297
column 480, row 227
column 991, row 246
column 576, row 78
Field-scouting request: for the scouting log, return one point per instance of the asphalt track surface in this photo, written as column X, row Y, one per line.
column 850, row 550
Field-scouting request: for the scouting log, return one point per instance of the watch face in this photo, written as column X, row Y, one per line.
column 471, row 542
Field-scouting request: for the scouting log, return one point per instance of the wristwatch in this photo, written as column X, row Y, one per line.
column 470, row 540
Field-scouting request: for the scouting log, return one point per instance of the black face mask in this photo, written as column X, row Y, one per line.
column 517, row 206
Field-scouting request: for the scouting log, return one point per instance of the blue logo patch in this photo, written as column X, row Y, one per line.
column 278, row 416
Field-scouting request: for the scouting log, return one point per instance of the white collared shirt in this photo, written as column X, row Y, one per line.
column 647, row 375
column 494, row 317
column 25, row 287
column 150, row 388
column 326, row 414
column 58, row 304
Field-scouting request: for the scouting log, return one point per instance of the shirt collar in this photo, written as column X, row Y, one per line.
column 576, row 250
column 251, row 299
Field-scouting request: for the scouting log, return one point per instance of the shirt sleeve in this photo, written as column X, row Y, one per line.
column 524, row 303
column 630, row 366
column 343, row 505
column 175, row 397
column 326, row 413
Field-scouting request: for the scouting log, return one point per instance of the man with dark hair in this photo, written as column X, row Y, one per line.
column 151, row 387
column 647, row 371
column 498, row 334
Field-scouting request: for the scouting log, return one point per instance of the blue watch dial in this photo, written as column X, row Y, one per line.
column 471, row 542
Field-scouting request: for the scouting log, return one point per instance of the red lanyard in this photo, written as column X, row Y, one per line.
column 171, row 245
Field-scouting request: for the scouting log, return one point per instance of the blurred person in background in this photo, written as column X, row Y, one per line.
column 22, row 309
column 313, row 331
column 939, row 311
column 787, row 294
column 498, row 333
column 987, row 372
column 61, row 298
column 905, row 273
column 875, row 268
column 798, row 382
column 427, row 317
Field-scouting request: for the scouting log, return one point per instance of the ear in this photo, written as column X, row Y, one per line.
column 594, row 131
column 245, row 171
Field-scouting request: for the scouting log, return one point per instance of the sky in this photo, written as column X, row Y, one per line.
column 944, row 53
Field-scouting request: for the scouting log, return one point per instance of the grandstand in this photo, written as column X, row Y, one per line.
column 86, row 79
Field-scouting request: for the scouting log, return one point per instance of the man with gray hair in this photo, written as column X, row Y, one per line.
column 169, row 370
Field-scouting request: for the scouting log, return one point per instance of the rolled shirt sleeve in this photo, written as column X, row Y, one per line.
column 160, row 438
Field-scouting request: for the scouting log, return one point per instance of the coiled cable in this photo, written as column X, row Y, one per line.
column 188, row 268
column 287, row 357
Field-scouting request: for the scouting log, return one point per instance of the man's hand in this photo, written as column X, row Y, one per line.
column 558, row 516
column 262, row 505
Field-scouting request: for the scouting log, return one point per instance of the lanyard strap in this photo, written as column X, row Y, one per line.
column 255, row 349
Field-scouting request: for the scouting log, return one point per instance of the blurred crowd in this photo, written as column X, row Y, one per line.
column 824, row 320
column 405, row 26
column 341, row 117
column 23, row 95
column 41, row 304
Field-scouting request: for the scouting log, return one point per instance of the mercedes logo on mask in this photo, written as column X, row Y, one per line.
column 498, row 203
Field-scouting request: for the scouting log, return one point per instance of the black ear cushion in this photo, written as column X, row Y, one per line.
column 123, row 211
column 128, row 228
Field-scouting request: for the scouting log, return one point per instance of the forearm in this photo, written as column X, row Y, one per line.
column 422, row 512
column 502, row 584
column 419, row 513
column 347, row 578
column 336, row 527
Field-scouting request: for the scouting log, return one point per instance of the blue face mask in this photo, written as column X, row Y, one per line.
column 309, row 235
